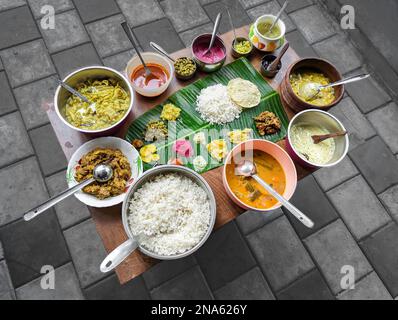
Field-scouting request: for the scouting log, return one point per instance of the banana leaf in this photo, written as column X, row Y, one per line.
column 189, row 123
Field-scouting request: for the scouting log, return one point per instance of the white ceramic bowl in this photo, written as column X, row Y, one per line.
column 83, row 74
column 263, row 43
column 150, row 57
column 106, row 142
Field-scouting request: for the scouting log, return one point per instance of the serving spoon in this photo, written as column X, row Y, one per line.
column 101, row 173
column 159, row 49
column 310, row 90
column 149, row 75
column 320, row 138
column 248, row 169
column 274, row 65
column 77, row 94
column 278, row 16
column 213, row 35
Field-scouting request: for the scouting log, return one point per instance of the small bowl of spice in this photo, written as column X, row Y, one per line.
column 185, row 68
column 241, row 47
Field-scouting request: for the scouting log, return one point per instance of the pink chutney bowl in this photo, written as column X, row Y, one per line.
column 275, row 151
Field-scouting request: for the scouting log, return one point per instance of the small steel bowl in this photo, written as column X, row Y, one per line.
column 204, row 66
column 265, row 62
column 94, row 73
column 327, row 121
column 235, row 53
column 164, row 169
column 182, row 77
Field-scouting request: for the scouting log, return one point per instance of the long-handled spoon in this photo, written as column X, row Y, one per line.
column 213, row 35
column 248, row 169
column 77, row 94
column 320, row 138
column 232, row 25
column 101, row 173
column 278, row 16
column 274, row 65
column 310, row 90
column 159, row 49
column 149, row 75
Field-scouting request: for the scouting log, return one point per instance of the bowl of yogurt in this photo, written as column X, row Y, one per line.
column 212, row 60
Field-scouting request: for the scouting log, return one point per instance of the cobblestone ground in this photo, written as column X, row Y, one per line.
column 354, row 205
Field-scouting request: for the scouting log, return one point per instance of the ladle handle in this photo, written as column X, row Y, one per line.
column 129, row 34
column 73, row 91
column 274, row 65
column 348, row 80
column 54, row 200
column 117, row 256
column 278, row 16
column 159, row 49
column 296, row 212
column 215, row 29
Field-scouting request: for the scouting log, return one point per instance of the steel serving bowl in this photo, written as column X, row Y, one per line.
column 95, row 73
column 327, row 121
column 204, row 66
column 122, row 252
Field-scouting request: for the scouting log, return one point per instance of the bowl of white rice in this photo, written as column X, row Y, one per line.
column 168, row 213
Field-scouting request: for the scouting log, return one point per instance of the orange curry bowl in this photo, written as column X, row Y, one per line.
column 274, row 166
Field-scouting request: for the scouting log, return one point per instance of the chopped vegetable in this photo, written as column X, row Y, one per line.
column 267, row 123
column 155, row 130
column 170, row 112
column 199, row 163
column 185, row 66
column 183, row 148
column 243, row 47
column 239, row 136
column 137, row 143
column 218, row 149
column 199, row 138
column 149, row 154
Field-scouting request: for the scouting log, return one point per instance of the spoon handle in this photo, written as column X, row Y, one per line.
column 273, row 66
column 232, row 24
column 278, row 16
column 348, row 80
column 319, row 138
column 215, row 29
column 54, row 200
column 159, row 49
column 73, row 91
column 129, row 34
column 296, row 212
column 117, row 256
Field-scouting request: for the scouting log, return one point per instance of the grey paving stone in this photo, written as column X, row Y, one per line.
column 27, row 62
column 189, row 35
column 385, row 121
column 377, row 164
column 249, row 286
column 6, row 288
column 333, row 247
column 139, row 12
column 111, row 289
column 49, row 152
column 329, row 178
column 58, row 5
column 66, row 287
column 161, row 32
column 190, row 285
column 381, row 249
column 30, row 246
column 340, row 52
column 271, row 7
column 69, row 32
column 238, row 14
column 225, row 249
column 390, row 200
column 1, row 65
column 119, row 60
column 87, row 251
column 76, row 58
column 1, row 251
column 166, row 270
column 368, row 94
column 369, row 288
column 251, row 220
column 34, row 99
column 296, row 4
column 20, row 192
column 247, row 4
column 7, row 102
column 70, row 211
column 310, row 287
column 26, row 30
column 280, row 253
column 313, row 23
column 184, row 14
column 91, row 10
column 300, row 45
column 108, row 35
column 14, row 143
column 309, row 198
column 363, row 215
column 9, row 4
column 358, row 127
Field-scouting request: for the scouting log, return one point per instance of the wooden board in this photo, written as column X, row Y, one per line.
column 108, row 220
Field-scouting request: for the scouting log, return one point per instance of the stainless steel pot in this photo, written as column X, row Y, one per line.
column 126, row 248
column 208, row 67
